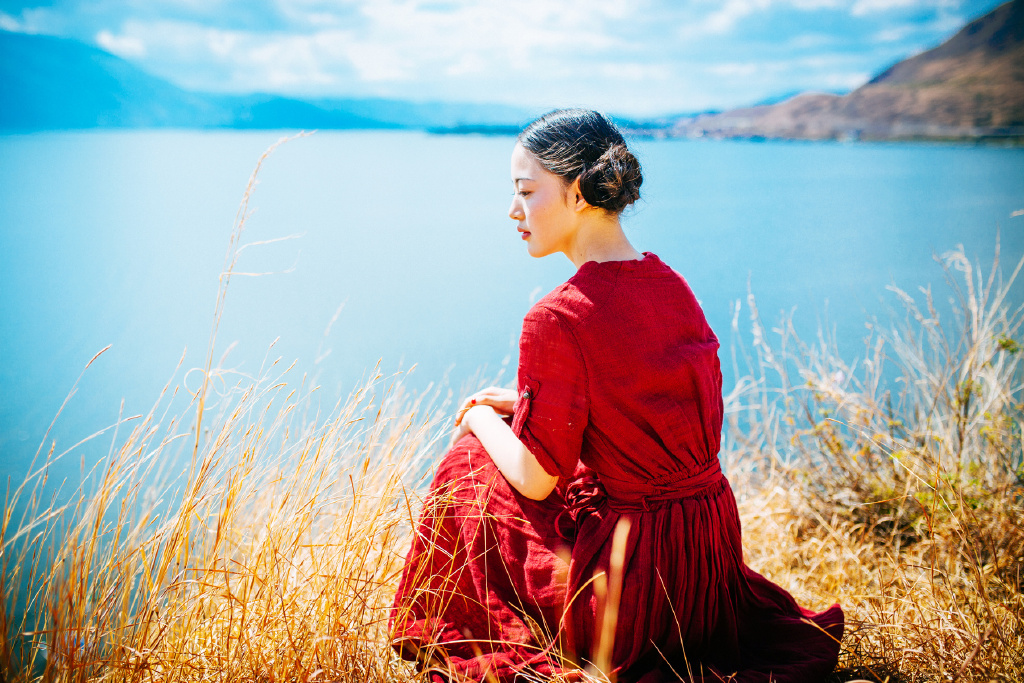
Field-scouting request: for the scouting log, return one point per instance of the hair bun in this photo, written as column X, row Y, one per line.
column 584, row 144
column 612, row 182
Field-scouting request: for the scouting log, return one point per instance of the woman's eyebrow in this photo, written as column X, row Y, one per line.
column 516, row 180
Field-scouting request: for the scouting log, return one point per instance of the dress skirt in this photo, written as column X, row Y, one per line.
column 497, row 585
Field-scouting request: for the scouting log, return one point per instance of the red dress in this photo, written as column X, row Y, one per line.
column 620, row 396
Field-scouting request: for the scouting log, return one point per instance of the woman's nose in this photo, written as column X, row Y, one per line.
column 515, row 212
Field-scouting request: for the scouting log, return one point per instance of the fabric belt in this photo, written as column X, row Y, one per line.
column 586, row 494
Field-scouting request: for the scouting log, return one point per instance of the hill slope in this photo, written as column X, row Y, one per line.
column 54, row 83
column 970, row 86
column 50, row 82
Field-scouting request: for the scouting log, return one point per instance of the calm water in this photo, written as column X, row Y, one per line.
column 118, row 238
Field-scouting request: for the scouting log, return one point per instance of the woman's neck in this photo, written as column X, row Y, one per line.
column 600, row 238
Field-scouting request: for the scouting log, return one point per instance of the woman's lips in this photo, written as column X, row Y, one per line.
column 525, row 234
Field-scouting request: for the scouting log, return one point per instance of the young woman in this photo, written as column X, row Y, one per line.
column 583, row 520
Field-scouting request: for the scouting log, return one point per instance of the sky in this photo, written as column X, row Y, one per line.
column 629, row 57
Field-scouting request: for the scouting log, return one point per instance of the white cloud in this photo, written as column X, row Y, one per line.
column 321, row 19
column 236, row 60
column 124, row 46
column 626, row 57
column 808, row 41
column 725, row 18
column 636, row 71
column 863, row 7
column 838, row 80
column 946, row 23
column 402, row 41
column 489, row 31
column 943, row 25
column 719, row 17
column 714, row 17
column 816, row 72
column 467, row 65
column 291, row 62
column 9, row 23
column 317, row 14
column 736, row 69
column 893, row 34
column 33, row 20
column 379, row 62
column 223, row 44
column 818, row 4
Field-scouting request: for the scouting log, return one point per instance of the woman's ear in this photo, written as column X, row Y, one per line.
column 575, row 196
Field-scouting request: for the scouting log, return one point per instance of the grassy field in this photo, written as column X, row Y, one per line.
column 894, row 483
column 891, row 483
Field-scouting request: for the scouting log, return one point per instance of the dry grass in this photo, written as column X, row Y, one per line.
column 894, row 484
column 891, row 485
column 272, row 557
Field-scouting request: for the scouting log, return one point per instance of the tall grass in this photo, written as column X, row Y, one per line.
column 894, row 483
column 260, row 534
column 272, row 556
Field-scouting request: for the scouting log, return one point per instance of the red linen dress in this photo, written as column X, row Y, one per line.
column 620, row 396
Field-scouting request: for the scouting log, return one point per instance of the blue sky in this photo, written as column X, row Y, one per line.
column 631, row 57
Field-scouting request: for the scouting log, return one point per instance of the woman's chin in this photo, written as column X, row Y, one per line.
column 535, row 250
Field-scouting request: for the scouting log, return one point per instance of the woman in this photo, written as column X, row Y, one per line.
column 595, row 529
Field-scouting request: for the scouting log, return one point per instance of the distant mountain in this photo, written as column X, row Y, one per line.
column 775, row 99
column 433, row 115
column 971, row 86
column 270, row 111
column 55, row 83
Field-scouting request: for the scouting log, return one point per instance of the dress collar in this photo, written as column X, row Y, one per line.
column 649, row 266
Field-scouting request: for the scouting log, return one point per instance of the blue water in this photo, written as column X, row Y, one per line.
column 118, row 238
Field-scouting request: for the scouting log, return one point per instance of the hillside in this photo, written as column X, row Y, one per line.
column 54, row 83
column 50, row 82
column 971, row 86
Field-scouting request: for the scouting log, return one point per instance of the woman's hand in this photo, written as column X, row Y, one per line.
column 500, row 399
column 461, row 428
column 519, row 466
column 462, row 423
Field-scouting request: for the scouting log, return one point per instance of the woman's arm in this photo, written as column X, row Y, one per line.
column 513, row 459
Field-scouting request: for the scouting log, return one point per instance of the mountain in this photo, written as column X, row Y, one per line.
column 971, row 86
column 434, row 115
column 55, row 83
column 271, row 111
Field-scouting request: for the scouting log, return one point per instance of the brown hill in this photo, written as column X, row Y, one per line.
column 971, row 86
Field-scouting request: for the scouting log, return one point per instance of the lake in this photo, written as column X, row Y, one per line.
column 402, row 240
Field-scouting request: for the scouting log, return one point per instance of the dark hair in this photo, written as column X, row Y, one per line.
column 584, row 144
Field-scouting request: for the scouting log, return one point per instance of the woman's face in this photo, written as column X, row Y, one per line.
column 542, row 206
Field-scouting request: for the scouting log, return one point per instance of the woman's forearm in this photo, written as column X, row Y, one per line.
column 513, row 459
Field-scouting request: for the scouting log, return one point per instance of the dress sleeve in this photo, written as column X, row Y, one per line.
column 551, row 412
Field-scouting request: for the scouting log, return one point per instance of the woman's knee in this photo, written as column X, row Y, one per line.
column 465, row 462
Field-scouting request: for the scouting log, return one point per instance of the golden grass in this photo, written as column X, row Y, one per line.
column 272, row 557
column 898, row 495
column 275, row 555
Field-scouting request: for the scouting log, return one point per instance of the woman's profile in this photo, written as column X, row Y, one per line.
column 583, row 520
